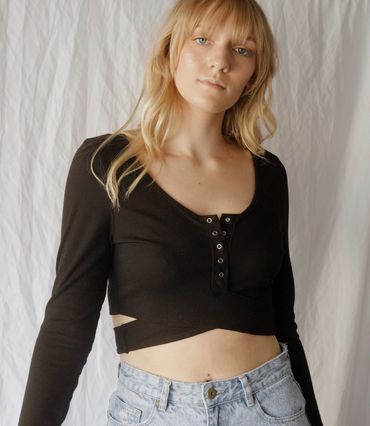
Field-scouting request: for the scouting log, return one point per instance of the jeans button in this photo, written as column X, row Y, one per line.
column 212, row 392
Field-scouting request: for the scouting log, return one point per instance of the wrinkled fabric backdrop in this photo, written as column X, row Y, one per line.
column 73, row 69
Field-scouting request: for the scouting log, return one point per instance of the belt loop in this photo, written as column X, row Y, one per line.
column 162, row 402
column 248, row 393
column 283, row 345
column 284, row 348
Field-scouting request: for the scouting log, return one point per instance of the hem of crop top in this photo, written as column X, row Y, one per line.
column 200, row 217
column 128, row 340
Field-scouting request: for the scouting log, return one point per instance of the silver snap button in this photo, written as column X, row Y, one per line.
column 227, row 219
column 223, row 232
column 220, row 274
column 214, row 232
column 220, row 260
column 219, row 246
column 209, row 219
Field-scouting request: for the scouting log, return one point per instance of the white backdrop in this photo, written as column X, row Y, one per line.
column 73, row 69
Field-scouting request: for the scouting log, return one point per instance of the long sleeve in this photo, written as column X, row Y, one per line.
column 71, row 315
column 284, row 297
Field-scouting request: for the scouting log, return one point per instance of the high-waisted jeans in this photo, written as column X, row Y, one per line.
column 268, row 394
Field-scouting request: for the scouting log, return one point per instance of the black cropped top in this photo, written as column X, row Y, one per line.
column 178, row 273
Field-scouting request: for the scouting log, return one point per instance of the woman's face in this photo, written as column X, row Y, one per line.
column 213, row 56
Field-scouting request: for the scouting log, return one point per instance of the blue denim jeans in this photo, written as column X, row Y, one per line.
column 268, row 394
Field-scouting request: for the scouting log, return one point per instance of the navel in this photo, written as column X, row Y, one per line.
column 208, row 378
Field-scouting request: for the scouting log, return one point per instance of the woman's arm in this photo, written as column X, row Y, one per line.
column 82, row 267
column 284, row 296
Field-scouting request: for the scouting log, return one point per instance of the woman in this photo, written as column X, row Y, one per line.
column 195, row 246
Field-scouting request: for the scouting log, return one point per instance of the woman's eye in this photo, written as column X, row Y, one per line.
column 248, row 52
column 200, row 38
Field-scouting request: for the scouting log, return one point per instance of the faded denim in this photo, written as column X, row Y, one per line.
column 268, row 394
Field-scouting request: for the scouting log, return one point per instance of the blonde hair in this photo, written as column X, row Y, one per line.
column 158, row 119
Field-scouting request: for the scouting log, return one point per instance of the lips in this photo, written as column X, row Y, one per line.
column 212, row 83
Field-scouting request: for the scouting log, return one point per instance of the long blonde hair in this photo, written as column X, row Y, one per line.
column 159, row 115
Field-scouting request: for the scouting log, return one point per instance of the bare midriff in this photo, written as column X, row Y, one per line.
column 216, row 354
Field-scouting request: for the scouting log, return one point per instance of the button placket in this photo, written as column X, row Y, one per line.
column 220, row 251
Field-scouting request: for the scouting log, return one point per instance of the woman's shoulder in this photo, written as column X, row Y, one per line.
column 273, row 176
column 273, row 162
column 105, row 155
column 90, row 145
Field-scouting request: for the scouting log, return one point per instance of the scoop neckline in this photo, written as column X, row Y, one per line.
column 199, row 217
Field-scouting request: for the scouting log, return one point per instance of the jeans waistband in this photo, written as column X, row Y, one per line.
column 211, row 392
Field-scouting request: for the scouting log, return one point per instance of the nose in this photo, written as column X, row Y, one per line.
column 220, row 60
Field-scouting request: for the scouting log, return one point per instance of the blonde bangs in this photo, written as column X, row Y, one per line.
column 212, row 14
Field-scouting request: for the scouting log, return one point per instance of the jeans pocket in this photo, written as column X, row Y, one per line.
column 281, row 401
column 127, row 407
